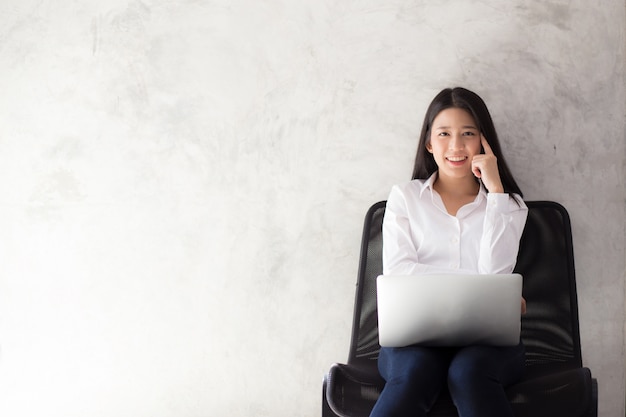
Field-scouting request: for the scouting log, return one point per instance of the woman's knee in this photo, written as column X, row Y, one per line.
column 478, row 365
column 465, row 372
column 413, row 364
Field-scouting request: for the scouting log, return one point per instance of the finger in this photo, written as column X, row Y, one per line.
column 486, row 147
column 476, row 169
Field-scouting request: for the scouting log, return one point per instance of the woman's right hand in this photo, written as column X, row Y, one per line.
column 485, row 167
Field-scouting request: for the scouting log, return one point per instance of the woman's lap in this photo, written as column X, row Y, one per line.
column 415, row 375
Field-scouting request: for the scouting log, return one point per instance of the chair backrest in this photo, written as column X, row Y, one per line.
column 550, row 328
column 546, row 261
column 364, row 347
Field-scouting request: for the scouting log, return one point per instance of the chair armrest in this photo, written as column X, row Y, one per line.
column 351, row 392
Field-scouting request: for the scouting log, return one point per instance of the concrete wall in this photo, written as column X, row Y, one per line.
column 183, row 184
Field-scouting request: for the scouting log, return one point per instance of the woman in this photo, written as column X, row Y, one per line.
column 463, row 213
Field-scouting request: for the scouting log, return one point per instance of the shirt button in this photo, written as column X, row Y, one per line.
column 455, row 240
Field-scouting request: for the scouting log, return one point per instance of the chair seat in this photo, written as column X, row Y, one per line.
column 351, row 392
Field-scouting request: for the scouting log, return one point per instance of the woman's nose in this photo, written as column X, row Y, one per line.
column 456, row 142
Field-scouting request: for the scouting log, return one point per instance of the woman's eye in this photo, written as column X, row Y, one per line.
column 469, row 134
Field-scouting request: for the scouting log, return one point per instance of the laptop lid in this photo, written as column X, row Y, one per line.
column 449, row 309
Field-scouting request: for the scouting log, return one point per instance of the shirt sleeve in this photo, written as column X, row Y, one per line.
column 399, row 251
column 505, row 218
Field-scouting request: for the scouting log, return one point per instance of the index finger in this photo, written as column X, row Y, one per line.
column 486, row 147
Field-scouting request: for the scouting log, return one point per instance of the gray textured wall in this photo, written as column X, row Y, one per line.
column 183, row 183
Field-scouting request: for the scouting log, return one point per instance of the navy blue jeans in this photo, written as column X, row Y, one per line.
column 475, row 377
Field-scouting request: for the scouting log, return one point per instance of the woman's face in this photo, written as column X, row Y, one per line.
column 454, row 140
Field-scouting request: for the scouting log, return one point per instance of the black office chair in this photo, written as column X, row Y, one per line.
column 555, row 382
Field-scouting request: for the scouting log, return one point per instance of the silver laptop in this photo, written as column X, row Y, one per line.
column 449, row 310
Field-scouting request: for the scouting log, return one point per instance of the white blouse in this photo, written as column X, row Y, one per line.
column 420, row 236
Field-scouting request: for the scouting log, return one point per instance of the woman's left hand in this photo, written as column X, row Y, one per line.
column 485, row 167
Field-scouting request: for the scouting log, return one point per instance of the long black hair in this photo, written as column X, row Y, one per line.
column 469, row 101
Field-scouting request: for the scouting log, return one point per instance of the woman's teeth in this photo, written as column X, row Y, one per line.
column 456, row 158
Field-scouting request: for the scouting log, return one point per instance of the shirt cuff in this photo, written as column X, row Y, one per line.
column 498, row 202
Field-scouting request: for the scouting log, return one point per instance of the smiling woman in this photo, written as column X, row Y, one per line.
column 461, row 217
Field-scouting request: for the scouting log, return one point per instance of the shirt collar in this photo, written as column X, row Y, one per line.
column 482, row 192
column 430, row 182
